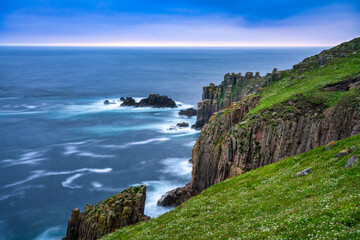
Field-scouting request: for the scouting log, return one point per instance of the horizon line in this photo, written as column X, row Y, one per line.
column 155, row 44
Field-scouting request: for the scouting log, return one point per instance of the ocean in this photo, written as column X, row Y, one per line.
column 62, row 148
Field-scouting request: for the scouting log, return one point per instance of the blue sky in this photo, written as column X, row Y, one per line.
column 179, row 23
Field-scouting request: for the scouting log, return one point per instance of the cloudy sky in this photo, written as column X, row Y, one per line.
column 179, row 22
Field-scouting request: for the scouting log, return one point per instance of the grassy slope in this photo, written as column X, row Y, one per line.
column 269, row 202
column 310, row 83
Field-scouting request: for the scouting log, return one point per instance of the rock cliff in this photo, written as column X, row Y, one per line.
column 232, row 89
column 120, row 210
column 230, row 144
column 249, row 126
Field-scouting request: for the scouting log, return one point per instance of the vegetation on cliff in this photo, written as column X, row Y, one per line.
column 277, row 117
column 270, row 202
column 117, row 211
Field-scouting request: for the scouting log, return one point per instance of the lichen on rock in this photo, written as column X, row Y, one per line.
column 122, row 209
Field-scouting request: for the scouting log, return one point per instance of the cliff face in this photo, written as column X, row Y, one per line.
column 315, row 102
column 120, row 210
column 228, row 146
column 232, row 89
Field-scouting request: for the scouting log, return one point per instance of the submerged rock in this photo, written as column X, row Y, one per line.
column 120, row 210
column 188, row 112
column 176, row 196
column 182, row 125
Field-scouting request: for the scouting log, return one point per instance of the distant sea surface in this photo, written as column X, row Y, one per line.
column 62, row 148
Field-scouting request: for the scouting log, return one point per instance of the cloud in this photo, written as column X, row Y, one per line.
column 327, row 25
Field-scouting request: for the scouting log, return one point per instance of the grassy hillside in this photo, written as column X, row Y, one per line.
column 270, row 202
column 309, row 81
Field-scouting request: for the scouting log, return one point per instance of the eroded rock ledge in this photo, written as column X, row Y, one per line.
column 176, row 196
column 120, row 210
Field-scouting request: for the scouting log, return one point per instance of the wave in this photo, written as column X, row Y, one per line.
column 30, row 158
column 151, row 140
column 43, row 173
column 53, row 233
column 9, row 113
column 70, row 150
column 99, row 106
column 177, row 166
column 69, row 180
column 154, row 191
column 96, row 184
column 189, row 144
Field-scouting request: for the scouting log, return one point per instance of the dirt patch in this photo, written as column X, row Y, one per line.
column 345, row 85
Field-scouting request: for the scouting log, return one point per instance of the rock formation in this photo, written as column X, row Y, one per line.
column 182, row 125
column 120, row 210
column 233, row 142
column 154, row 100
column 234, row 88
column 188, row 112
column 129, row 101
column 177, row 196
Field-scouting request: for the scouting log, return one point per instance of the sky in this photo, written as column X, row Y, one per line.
column 178, row 22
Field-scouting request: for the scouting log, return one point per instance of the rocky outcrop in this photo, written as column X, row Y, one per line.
column 188, row 112
column 158, row 101
column 234, row 88
column 182, row 125
column 177, row 196
column 230, row 145
column 154, row 100
column 120, row 210
column 129, row 101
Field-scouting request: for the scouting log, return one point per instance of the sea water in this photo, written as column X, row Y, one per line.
column 62, row 148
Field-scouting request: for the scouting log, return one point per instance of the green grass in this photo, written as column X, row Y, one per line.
column 269, row 203
column 310, row 83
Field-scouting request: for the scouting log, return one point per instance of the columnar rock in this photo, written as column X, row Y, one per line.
column 120, row 210
column 234, row 88
column 234, row 142
column 228, row 147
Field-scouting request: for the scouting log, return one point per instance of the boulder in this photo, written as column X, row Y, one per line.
column 352, row 161
column 120, row 210
column 343, row 153
column 330, row 145
column 106, row 102
column 130, row 102
column 304, row 172
column 176, row 196
column 182, row 125
column 122, row 99
column 157, row 101
column 188, row 112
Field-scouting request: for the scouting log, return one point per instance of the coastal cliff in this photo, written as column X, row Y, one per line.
column 282, row 114
column 120, row 210
column 234, row 88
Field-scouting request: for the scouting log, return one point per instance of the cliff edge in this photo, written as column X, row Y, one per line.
column 120, row 210
column 252, row 121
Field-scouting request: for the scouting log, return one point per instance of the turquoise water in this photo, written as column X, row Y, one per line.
column 61, row 148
